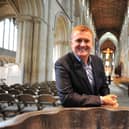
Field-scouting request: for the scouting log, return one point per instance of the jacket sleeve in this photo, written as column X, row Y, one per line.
column 68, row 96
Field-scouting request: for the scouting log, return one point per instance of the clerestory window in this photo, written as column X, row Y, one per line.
column 8, row 34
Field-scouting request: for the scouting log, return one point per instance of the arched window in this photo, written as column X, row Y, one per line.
column 8, row 34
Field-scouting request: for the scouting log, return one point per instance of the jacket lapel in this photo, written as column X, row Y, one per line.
column 94, row 73
column 79, row 70
column 81, row 73
column 78, row 67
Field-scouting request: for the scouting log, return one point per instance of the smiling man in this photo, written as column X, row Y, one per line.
column 80, row 76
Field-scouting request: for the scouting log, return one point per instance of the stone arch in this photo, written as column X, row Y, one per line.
column 31, row 8
column 108, row 35
column 107, row 44
column 30, row 21
column 61, row 34
column 61, row 37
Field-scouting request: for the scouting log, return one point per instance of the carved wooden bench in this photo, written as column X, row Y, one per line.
column 71, row 118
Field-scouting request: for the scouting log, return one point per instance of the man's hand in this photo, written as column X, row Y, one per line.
column 110, row 100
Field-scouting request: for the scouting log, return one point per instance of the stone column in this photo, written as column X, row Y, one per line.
column 35, row 49
column 25, row 46
column 31, row 54
column 43, row 48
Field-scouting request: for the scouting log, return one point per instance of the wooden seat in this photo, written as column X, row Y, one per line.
column 27, row 102
column 15, row 85
column 46, row 100
column 20, row 88
column 44, row 91
column 14, row 92
column 9, row 106
column 5, row 87
column 29, row 91
column 54, row 90
column 2, row 91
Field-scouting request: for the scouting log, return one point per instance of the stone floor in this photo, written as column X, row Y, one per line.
column 122, row 92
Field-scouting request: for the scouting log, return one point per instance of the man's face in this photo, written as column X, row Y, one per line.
column 81, row 43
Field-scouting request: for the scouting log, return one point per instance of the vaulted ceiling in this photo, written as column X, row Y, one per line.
column 21, row 7
column 6, row 8
column 108, row 15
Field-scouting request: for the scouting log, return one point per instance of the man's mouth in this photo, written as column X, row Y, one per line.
column 83, row 49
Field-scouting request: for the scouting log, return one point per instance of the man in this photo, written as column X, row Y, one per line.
column 80, row 77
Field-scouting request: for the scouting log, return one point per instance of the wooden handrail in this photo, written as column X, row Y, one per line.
column 70, row 118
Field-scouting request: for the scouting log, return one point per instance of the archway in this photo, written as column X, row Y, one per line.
column 108, row 48
column 114, row 40
column 61, row 37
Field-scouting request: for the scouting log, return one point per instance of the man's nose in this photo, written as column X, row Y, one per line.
column 83, row 42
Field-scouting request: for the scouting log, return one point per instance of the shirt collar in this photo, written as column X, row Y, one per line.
column 78, row 58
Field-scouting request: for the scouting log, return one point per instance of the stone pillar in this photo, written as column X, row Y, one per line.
column 35, row 50
column 31, row 54
column 25, row 46
column 49, row 56
column 43, row 48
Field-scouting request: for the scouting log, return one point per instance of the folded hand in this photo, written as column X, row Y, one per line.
column 110, row 100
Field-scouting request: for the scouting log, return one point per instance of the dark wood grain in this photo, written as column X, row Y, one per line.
column 71, row 118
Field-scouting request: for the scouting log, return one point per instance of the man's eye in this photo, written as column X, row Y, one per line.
column 82, row 40
column 79, row 40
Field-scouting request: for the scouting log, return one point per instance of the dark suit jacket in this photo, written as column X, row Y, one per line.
column 73, row 85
